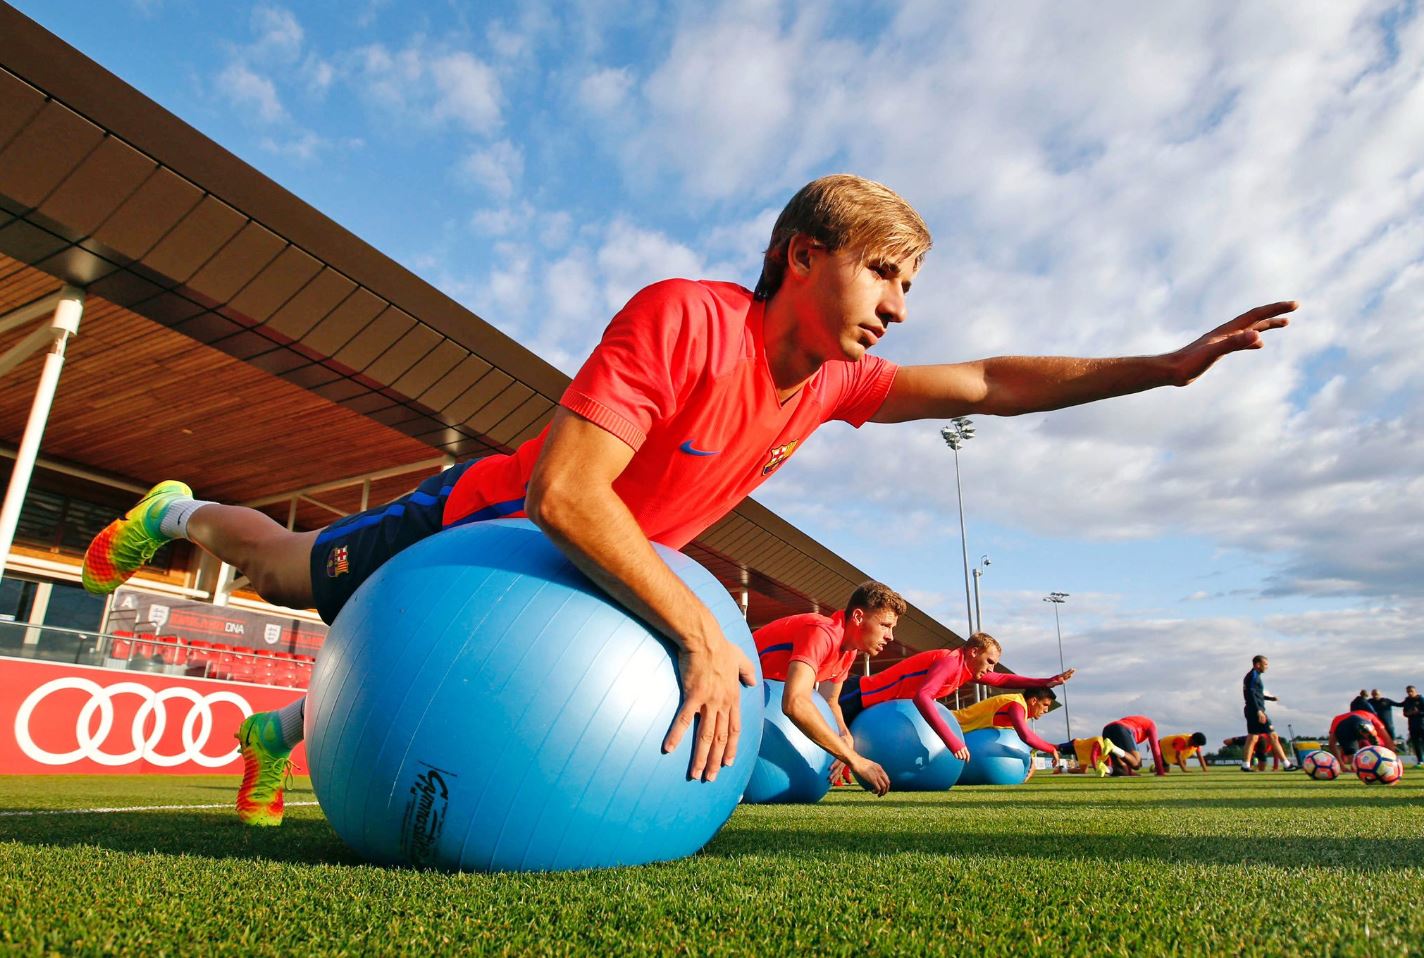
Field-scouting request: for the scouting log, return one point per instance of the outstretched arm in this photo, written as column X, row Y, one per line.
column 571, row 498
column 1018, row 717
column 1008, row 680
column 1012, row 385
column 924, row 701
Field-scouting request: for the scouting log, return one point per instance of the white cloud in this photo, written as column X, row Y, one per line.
column 496, row 168
column 243, row 87
column 468, row 91
column 631, row 258
column 279, row 35
column 605, row 91
column 429, row 86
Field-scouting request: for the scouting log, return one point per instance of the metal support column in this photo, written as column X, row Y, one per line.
column 68, row 305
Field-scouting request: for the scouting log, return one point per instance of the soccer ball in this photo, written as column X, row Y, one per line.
column 1321, row 765
column 1377, row 765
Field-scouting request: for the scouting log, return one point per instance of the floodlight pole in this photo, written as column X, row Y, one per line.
column 978, row 574
column 959, row 431
column 1058, row 598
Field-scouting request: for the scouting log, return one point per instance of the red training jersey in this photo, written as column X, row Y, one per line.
column 1143, row 728
column 1370, row 717
column 809, row 637
column 905, row 678
column 946, row 667
column 681, row 376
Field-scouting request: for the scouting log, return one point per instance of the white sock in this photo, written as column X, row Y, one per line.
column 290, row 717
column 174, row 523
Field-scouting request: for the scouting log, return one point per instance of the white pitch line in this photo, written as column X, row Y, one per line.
column 131, row 808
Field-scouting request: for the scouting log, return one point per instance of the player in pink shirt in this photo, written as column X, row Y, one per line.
column 697, row 393
column 810, row 650
column 932, row 675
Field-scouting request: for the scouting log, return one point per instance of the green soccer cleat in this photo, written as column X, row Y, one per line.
column 127, row 543
column 266, row 765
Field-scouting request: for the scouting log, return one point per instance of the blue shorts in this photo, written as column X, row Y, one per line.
column 850, row 701
column 1255, row 726
column 1350, row 734
column 1121, row 736
column 351, row 548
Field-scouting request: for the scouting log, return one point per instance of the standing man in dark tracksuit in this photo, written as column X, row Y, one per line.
column 1258, row 724
column 1414, row 713
column 1384, row 708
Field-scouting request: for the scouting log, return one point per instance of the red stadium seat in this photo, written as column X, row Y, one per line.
column 171, row 650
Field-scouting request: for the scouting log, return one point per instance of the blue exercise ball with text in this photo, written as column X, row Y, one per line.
column 997, row 756
column 789, row 766
column 896, row 736
column 481, row 705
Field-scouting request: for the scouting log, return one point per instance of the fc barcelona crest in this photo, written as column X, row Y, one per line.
column 779, row 454
column 337, row 562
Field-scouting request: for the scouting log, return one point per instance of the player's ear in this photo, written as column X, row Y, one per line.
column 799, row 252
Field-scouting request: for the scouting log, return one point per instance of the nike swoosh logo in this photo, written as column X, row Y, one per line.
column 692, row 450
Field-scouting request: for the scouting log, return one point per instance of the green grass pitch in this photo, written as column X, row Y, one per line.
column 1221, row 864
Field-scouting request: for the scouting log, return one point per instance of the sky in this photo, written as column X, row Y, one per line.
column 1101, row 179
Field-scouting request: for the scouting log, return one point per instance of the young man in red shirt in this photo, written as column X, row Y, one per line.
column 1127, row 733
column 1352, row 731
column 932, row 675
column 811, row 650
column 697, row 393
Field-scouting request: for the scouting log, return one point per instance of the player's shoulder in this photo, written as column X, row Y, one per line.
column 704, row 295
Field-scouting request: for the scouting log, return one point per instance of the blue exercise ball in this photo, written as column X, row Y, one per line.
column 789, row 767
column 997, row 756
column 480, row 705
column 895, row 735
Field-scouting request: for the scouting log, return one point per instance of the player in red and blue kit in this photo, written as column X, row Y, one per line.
column 697, row 393
column 1352, row 731
column 931, row 675
column 1127, row 733
column 810, row 650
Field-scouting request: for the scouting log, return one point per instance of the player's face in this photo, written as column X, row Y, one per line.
column 981, row 661
column 1037, row 708
column 870, row 631
column 855, row 302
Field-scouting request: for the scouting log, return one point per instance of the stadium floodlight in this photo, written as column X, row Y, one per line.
column 1058, row 598
column 978, row 573
column 959, row 431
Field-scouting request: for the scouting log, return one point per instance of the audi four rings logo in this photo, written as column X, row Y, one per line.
column 196, row 731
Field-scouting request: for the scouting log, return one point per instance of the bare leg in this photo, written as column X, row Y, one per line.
column 1280, row 750
column 1250, row 750
column 276, row 560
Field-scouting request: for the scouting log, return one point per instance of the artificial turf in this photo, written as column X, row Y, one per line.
column 1261, row 864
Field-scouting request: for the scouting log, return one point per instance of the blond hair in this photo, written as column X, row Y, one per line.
column 872, row 596
column 842, row 211
column 983, row 640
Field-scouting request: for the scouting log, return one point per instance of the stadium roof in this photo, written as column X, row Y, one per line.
column 238, row 338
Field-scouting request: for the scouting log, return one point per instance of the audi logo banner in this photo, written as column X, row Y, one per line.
column 57, row 718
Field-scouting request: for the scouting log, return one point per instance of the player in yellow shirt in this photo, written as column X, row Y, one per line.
column 1092, row 753
column 1176, row 749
